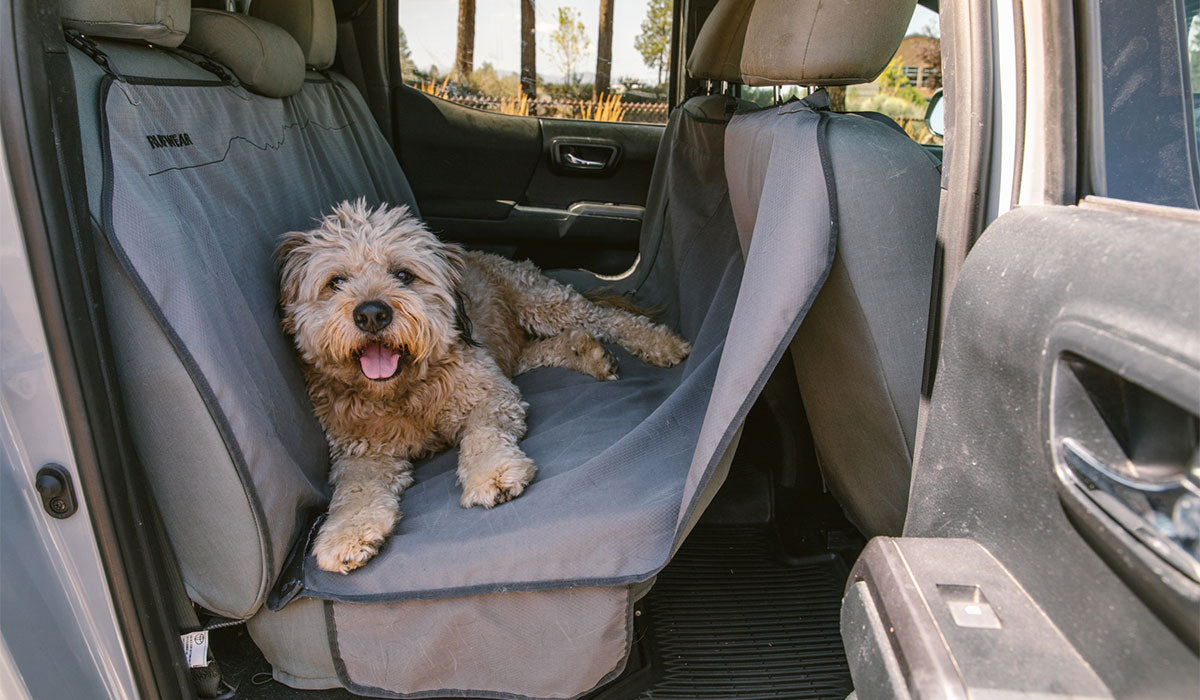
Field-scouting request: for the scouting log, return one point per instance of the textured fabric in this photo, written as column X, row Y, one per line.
column 161, row 22
column 310, row 22
column 295, row 641
column 781, row 204
column 226, row 571
column 623, row 466
column 817, row 42
column 860, row 353
column 717, row 53
column 612, row 457
column 545, row 644
column 195, row 225
column 264, row 57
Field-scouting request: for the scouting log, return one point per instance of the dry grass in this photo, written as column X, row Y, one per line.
column 603, row 109
column 436, row 89
column 518, row 105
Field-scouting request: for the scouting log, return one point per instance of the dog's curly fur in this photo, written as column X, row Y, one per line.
column 460, row 324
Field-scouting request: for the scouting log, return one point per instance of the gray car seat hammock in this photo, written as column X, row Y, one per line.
column 533, row 598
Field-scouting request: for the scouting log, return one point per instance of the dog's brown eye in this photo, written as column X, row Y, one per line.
column 335, row 283
column 403, row 276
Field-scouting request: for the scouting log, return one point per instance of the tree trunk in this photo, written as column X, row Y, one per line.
column 837, row 98
column 464, row 58
column 528, row 51
column 604, row 50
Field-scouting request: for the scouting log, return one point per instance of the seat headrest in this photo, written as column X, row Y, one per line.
column 717, row 54
column 264, row 57
column 310, row 22
column 822, row 42
column 160, row 22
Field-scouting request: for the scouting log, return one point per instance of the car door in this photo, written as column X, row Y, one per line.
column 511, row 138
column 1051, row 544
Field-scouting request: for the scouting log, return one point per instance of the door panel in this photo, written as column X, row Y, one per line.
column 501, row 182
column 1076, row 331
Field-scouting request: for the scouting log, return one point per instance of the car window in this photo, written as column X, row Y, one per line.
column 903, row 89
column 1143, row 79
column 574, row 59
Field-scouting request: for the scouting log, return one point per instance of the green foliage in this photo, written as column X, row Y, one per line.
column 654, row 43
column 893, row 83
column 568, row 42
column 485, row 81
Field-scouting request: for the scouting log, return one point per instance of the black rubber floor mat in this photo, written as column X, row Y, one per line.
column 731, row 619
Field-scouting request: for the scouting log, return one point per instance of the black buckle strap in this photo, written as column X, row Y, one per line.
column 92, row 51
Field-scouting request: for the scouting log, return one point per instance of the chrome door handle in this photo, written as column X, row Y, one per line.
column 1164, row 514
column 574, row 160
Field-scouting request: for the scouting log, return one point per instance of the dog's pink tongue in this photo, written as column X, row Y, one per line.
column 378, row 361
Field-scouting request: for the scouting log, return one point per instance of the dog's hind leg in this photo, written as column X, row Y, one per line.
column 549, row 307
column 363, row 512
column 491, row 467
column 574, row 349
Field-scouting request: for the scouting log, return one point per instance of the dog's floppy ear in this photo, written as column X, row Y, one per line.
column 290, row 259
column 455, row 260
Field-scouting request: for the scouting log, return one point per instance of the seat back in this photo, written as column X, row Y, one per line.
column 859, row 353
column 193, row 179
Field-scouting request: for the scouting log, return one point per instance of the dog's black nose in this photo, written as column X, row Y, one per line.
column 372, row 316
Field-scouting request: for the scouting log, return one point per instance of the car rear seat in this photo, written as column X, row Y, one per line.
column 197, row 161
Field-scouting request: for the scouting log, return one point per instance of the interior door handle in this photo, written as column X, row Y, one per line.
column 1163, row 515
column 572, row 159
column 581, row 155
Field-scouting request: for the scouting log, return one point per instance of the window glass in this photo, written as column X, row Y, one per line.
column 903, row 90
column 575, row 59
column 1143, row 80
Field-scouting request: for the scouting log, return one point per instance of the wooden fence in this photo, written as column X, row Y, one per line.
column 647, row 112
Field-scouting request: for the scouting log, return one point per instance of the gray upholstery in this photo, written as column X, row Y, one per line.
column 822, row 42
column 859, row 354
column 160, row 22
column 310, row 22
column 264, row 57
column 717, row 53
column 569, row 553
column 238, row 463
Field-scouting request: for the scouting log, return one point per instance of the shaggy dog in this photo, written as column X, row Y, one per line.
column 407, row 346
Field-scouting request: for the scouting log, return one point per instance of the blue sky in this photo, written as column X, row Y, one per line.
column 431, row 28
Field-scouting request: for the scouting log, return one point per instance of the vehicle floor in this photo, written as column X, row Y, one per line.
column 733, row 615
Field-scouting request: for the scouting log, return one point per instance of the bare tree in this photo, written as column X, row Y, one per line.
column 464, row 56
column 604, row 50
column 528, row 50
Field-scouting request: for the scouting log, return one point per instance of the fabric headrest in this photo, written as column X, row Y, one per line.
column 310, row 22
column 264, row 57
column 160, row 22
column 717, row 54
column 822, row 42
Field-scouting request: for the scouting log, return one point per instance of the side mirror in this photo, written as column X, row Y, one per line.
column 935, row 114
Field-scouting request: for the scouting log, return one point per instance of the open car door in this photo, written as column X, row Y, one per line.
column 1050, row 545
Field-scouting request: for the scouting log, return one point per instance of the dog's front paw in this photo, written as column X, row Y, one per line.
column 498, row 483
column 668, row 349
column 342, row 549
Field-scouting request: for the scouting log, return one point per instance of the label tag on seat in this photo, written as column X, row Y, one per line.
column 195, row 648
